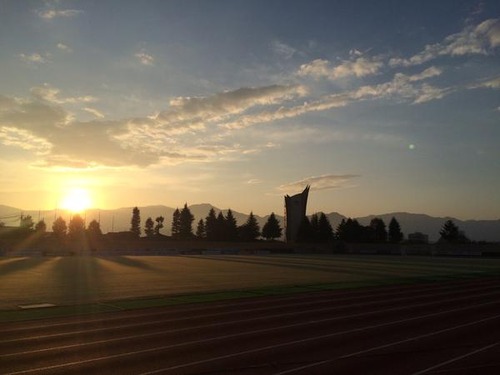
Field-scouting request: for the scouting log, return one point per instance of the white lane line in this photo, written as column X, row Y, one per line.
column 456, row 359
column 192, row 328
column 359, row 294
column 415, row 338
column 286, row 306
column 230, row 336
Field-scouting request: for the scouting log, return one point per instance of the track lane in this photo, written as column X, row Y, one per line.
column 271, row 334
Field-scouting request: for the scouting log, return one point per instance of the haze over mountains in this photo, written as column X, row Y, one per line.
column 119, row 220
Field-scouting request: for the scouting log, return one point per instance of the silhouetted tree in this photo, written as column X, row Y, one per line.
column 350, row 231
column 305, row 233
column 211, row 225
column 200, row 230
column 272, row 228
column 249, row 231
column 395, row 235
column 325, row 231
column 76, row 227
column 176, row 223
column 186, row 223
column 378, row 231
column 220, row 227
column 59, row 227
column 135, row 222
column 314, row 223
column 26, row 223
column 41, row 227
column 451, row 233
column 230, row 226
column 94, row 229
column 148, row 227
column 159, row 224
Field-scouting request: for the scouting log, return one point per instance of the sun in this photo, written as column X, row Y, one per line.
column 76, row 200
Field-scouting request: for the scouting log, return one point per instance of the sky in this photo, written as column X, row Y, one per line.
column 380, row 106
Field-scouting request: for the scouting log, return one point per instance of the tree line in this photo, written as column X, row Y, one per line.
column 220, row 227
column 215, row 227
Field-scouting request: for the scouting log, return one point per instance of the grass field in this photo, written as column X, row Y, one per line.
column 101, row 284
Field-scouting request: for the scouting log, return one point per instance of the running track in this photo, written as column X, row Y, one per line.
column 437, row 328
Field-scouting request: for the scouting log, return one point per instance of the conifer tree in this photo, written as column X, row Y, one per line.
column 395, row 235
column 231, row 226
column 148, row 227
column 200, row 230
column 249, row 231
column 186, row 223
column 135, row 222
column 220, row 227
column 211, row 226
column 451, row 233
column 325, row 231
column 176, row 223
column 272, row 228
column 378, row 231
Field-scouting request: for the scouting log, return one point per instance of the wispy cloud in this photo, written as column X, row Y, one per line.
column 323, row 182
column 34, row 58
column 52, row 95
column 188, row 113
column 53, row 13
column 359, row 67
column 24, row 139
column 145, row 58
column 283, row 49
column 489, row 84
column 64, row 47
column 94, row 112
column 405, row 87
column 480, row 39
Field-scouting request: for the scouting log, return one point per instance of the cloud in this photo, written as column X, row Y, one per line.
column 128, row 142
column 187, row 113
column 34, row 58
column 145, row 58
column 24, row 139
column 325, row 103
column 51, row 94
column 282, row 49
column 359, row 67
column 480, row 39
column 64, row 47
column 52, row 13
column 401, row 87
column 489, row 84
column 323, row 182
column 94, row 112
column 405, row 87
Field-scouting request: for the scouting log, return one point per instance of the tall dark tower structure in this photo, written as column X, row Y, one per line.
column 295, row 210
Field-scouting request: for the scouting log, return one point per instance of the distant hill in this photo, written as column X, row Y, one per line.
column 119, row 220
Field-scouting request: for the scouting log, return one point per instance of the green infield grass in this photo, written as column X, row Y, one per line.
column 77, row 285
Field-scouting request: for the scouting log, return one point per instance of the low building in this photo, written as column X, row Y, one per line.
column 418, row 237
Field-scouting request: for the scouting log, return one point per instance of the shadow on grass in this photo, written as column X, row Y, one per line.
column 130, row 262
column 299, row 266
column 78, row 279
column 20, row 264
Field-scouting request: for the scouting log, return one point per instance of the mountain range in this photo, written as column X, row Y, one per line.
column 119, row 220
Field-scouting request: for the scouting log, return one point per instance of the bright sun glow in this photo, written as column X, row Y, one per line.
column 76, row 200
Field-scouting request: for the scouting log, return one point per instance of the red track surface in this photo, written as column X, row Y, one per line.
column 441, row 328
